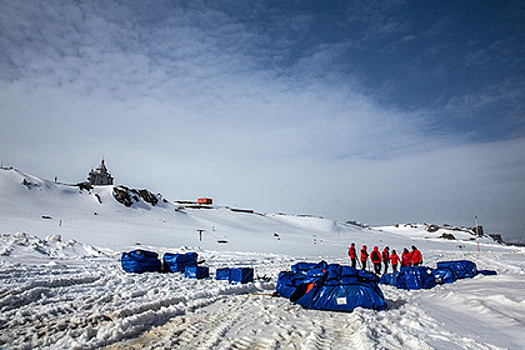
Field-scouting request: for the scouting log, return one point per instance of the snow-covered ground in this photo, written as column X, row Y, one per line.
column 62, row 287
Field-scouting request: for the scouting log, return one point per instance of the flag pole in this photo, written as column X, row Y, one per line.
column 477, row 231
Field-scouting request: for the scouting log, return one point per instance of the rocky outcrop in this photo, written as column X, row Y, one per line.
column 129, row 196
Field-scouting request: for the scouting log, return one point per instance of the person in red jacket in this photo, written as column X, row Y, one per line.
column 364, row 257
column 416, row 257
column 395, row 260
column 375, row 256
column 386, row 258
column 406, row 259
column 352, row 254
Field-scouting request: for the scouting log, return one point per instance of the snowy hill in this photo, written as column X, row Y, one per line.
column 93, row 215
column 426, row 231
column 62, row 286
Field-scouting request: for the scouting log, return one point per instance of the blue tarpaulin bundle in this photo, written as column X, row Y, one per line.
column 222, row 274
column 462, row 268
column 339, row 288
column 310, row 268
column 365, row 277
column 424, row 278
column 343, row 297
column 178, row 262
column 420, row 277
column 444, row 275
column 196, row 271
column 235, row 275
column 139, row 261
column 287, row 282
column 390, row 279
column 241, row 275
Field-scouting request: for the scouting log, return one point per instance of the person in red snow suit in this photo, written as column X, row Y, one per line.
column 352, row 254
column 406, row 259
column 395, row 260
column 375, row 256
column 415, row 257
column 386, row 258
column 364, row 257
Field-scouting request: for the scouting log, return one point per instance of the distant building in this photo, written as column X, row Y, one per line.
column 100, row 176
column 205, row 201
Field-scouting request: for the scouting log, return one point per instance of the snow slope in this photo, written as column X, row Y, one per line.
column 67, row 290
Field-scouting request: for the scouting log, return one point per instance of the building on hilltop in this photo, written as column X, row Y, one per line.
column 100, row 176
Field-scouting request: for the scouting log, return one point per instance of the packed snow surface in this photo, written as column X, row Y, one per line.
column 62, row 287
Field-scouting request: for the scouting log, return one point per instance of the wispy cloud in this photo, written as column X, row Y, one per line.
column 290, row 102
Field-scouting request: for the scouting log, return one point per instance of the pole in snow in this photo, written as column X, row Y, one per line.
column 477, row 231
column 200, row 234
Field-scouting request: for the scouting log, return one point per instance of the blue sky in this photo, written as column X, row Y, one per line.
column 376, row 111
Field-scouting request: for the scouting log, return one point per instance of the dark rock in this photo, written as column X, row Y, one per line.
column 448, row 236
column 122, row 195
column 433, row 228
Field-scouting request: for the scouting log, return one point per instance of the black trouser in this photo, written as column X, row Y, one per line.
column 354, row 262
column 386, row 267
column 363, row 264
column 377, row 268
column 394, row 267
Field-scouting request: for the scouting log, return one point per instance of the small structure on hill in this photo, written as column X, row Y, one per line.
column 100, row 176
column 205, row 201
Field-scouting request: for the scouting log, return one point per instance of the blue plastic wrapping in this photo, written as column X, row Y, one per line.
column 287, row 282
column 444, row 275
column 222, row 274
column 345, row 297
column 462, row 268
column 178, row 262
column 389, row 278
column 420, row 277
column 139, row 261
column 195, row 271
column 305, row 267
column 241, row 275
column 349, row 275
column 488, row 272
column 329, row 292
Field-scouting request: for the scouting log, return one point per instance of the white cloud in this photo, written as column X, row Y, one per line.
column 192, row 100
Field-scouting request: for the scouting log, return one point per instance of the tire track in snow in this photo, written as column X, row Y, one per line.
column 40, row 311
column 249, row 322
column 34, row 290
column 345, row 331
column 207, row 328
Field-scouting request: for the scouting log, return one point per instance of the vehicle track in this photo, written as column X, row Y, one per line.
column 250, row 322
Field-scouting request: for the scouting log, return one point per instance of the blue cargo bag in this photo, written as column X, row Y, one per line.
column 241, row 275
column 444, row 275
column 342, row 298
column 178, row 262
column 420, row 277
column 222, row 274
column 462, row 268
column 139, row 261
column 390, row 279
column 198, row 272
column 288, row 282
column 331, row 293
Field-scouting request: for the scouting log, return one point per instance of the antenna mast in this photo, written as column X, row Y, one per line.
column 477, row 230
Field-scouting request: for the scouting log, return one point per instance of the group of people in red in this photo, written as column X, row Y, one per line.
column 385, row 258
